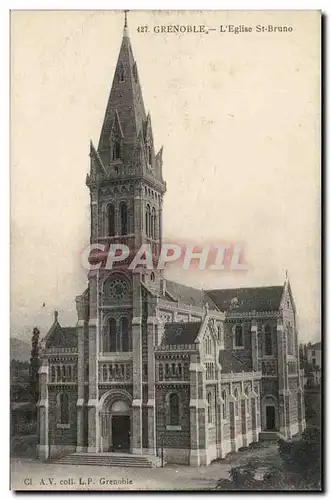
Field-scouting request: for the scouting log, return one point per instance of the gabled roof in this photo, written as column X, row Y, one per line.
column 63, row 337
column 189, row 296
column 180, row 333
column 230, row 363
column 264, row 298
column 317, row 345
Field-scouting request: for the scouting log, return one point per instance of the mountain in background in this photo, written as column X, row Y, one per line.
column 19, row 350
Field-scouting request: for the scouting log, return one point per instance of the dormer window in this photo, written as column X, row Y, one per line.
column 116, row 150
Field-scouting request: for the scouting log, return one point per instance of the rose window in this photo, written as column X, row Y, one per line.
column 117, row 289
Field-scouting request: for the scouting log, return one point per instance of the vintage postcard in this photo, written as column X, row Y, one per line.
column 165, row 250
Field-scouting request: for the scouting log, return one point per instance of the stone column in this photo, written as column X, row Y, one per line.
column 244, row 403
column 93, row 417
column 197, row 414
column 232, row 413
column 137, row 386
column 152, row 332
column 284, row 423
column 43, row 446
column 80, row 387
column 255, row 425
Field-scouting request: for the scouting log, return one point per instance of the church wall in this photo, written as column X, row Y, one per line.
column 176, row 443
column 62, row 437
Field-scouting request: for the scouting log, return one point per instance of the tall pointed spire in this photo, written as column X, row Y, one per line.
column 125, row 108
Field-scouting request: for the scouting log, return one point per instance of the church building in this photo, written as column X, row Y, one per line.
column 153, row 366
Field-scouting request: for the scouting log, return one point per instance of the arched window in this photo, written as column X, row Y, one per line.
column 64, row 408
column 53, row 374
column 111, row 219
column 179, row 370
column 238, row 336
column 115, row 150
column 267, row 340
column 148, row 221
column 167, row 370
column 111, row 340
column 209, row 408
column 174, row 409
column 124, row 218
column 153, row 224
column 173, row 369
column 125, row 334
column 224, row 404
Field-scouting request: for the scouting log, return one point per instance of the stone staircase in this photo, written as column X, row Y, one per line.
column 271, row 436
column 109, row 460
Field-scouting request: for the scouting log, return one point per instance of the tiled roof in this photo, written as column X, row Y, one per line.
column 189, row 296
column 231, row 363
column 63, row 337
column 264, row 298
column 180, row 333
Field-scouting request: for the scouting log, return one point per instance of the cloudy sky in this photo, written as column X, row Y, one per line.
column 239, row 119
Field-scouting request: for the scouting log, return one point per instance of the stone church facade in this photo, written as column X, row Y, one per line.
column 152, row 364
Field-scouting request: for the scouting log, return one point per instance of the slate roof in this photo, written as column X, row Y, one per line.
column 230, row 363
column 264, row 298
column 180, row 333
column 63, row 337
column 189, row 295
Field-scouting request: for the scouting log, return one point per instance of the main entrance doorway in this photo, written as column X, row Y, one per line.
column 120, row 425
column 270, row 417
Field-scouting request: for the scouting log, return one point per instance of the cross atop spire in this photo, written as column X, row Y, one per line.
column 125, row 33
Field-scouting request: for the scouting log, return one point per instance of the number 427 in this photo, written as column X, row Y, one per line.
column 142, row 29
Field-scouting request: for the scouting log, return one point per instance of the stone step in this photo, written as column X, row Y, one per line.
column 271, row 436
column 109, row 459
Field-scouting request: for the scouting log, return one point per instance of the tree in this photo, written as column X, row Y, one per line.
column 34, row 366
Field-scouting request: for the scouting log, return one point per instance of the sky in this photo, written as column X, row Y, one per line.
column 238, row 116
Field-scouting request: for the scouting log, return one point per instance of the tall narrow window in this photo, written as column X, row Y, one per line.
column 115, row 149
column 125, row 334
column 111, row 343
column 124, row 218
column 153, row 223
column 267, row 340
column 148, row 221
column 290, row 339
column 238, row 336
column 111, row 219
column 64, row 408
column 149, row 153
column 174, row 409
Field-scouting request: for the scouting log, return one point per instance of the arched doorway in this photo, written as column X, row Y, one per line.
column 116, row 422
column 269, row 413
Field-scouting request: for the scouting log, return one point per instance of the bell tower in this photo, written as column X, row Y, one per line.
column 126, row 194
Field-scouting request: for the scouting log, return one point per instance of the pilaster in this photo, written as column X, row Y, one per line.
column 43, row 446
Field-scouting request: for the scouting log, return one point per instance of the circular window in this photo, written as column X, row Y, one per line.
column 117, row 289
